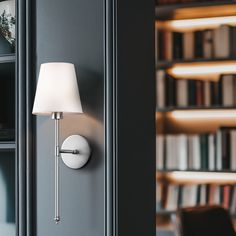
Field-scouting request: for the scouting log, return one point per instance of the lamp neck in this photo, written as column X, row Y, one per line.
column 57, row 115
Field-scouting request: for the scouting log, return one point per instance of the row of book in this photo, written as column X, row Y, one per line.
column 197, row 152
column 172, row 197
column 163, row 2
column 173, row 92
column 212, row 43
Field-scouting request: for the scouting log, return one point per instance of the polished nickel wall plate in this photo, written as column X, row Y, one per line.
column 81, row 151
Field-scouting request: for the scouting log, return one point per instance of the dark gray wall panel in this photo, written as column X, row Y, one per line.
column 72, row 31
column 136, row 117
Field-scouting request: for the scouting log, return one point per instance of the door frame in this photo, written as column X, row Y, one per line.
column 130, row 154
column 25, row 163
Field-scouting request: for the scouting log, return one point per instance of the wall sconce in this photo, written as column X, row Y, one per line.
column 57, row 94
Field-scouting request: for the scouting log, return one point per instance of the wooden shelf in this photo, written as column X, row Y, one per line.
column 211, row 70
column 193, row 177
column 164, row 212
column 195, row 121
column 195, row 10
column 7, row 146
column 161, row 65
column 196, row 171
column 7, row 58
column 198, row 108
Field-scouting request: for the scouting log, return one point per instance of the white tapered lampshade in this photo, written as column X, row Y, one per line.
column 57, row 90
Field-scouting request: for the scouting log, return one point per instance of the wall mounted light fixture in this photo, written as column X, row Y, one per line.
column 57, row 94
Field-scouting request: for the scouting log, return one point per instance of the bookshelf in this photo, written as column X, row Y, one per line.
column 209, row 119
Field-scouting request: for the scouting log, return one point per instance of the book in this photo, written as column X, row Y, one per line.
column 226, row 196
column 160, row 89
column 218, row 150
column 168, row 45
column 189, row 195
column 188, row 39
column 160, row 152
column 207, row 94
column 225, row 143
column 207, row 151
column 192, row 92
column 182, row 92
column 216, row 197
column 198, row 44
column 227, row 90
column 199, row 93
column 158, row 197
column 170, row 152
column 173, row 92
column 208, row 44
column 177, row 45
column 160, row 43
column 194, row 152
column 233, row 149
column 215, row 89
column 234, row 89
column 170, row 90
column 211, row 152
column 203, row 195
column 182, row 153
column 172, row 198
column 232, row 41
column 204, row 151
column 233, row 200
column 222, row 41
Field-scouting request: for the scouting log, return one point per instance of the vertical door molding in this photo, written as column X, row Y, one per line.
column 130, row 117
column 24, row 120
column 110, row 118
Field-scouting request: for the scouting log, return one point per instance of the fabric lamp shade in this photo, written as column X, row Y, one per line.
column 57, row 90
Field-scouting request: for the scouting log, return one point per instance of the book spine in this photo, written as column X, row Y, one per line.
column 199, row 93
column 232, row 42
column 204, row 151
column 170, row 90
column 182, row 152
column 219, row 150
column 192, row 92
column 160, row 42
column 226, row 196
column 211, row 152
column 160, row 88
column 225, row 149
column 182, row 92
column 227, row 90
column 198, row 44
column 222, row 42
column 207, row 93
column 208, row 44
column 233, row 150
column 168, row 45
column 177, row 45
column 188, row 47
column 159, row 152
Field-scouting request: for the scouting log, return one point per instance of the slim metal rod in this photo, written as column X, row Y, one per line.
column 57, row 156
column 69, row 151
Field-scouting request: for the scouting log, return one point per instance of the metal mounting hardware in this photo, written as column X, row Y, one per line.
column 75, row 151
column 69, row 151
